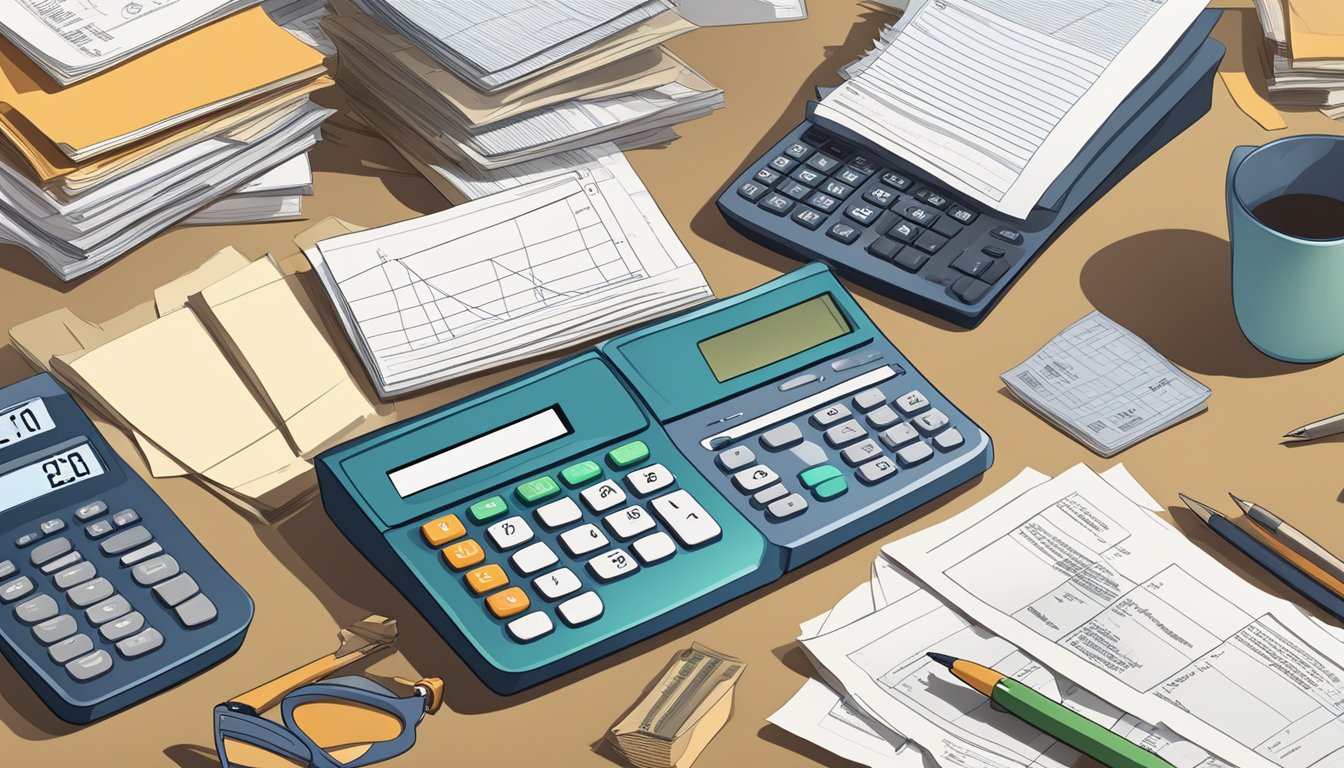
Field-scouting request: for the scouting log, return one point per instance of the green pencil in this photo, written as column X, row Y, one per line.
column 1051, row 717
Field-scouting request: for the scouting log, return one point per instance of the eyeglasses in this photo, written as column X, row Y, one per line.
column 341, row 722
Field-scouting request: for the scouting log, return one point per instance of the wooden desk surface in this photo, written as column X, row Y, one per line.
column 1152, row 254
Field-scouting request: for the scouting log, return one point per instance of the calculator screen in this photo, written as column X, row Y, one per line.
column 774, row 337
column 23, row 421
column 481, row 451
column 47, row 474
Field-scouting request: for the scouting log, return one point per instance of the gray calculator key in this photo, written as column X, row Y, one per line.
column 70, row 648
column 123, row 627
column 915, row 453
column 912, row 402
column 50, row 550
column 55, row 630
column 62, row 562
column 877, row 471
column 776, row 204
column 788, row 506
column 7, row 568
column 138, row 645
column 151, row 572
column 75, row 575
column 782, row 437
column 98, row 529
column 869, row 399
column 52, row 526
column 755, row 478
column 27, row 538
column 196, row 611
column 126, row 540
column 176, row 589
column 883, row 417
column 753, row 190
column 764, row 497
column 90, row 511
column 109, row 609
column 15, row 589
column 948, row 440
column 40, row 608
column 844, row 433
column 90, row 666
column 125, row 517
column 830, row 415
column 858, row 453
column 734, row 459
column 136, row 555
column 91, row 592
column 931, row 422
column 899, row 435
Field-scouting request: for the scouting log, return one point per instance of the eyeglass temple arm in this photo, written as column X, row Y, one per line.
column 358, row 641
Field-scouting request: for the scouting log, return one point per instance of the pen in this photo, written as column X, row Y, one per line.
column 1268, row 559
column 1291, row 536
column 1323, row 428
column 1051, row 717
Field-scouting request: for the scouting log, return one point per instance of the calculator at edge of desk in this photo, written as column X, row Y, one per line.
column 106, row 598
column 826, row 193
column 581, row 508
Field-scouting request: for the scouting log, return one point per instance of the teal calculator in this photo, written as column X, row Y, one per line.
column 571, row 512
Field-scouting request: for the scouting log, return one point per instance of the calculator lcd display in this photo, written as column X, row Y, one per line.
column 774, row 337
column 51, row 472
column 481, row 451
column 25, row 420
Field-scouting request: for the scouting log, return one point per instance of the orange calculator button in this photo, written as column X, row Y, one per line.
column 507, row 603
column 441, row 531
column 486, row 578
column 464, row 554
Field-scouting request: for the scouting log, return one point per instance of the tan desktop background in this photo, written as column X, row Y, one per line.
column 1153, row 255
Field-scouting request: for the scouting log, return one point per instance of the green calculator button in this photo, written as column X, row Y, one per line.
column 533, row 491
column 628, row 454
column 836, row 486
column 490, row 508
column 817, row 475
column 580, row 473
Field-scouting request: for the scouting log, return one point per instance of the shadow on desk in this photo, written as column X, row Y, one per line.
column 1173, row 288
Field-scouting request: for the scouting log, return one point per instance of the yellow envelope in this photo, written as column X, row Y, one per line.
column 1316, row 29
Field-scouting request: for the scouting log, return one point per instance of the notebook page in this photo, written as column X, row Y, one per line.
column 996, row 97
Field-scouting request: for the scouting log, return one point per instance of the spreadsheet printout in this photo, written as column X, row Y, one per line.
column 997, row 97
column 1082, row 579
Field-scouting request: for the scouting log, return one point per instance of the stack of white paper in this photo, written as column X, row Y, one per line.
column 1314, row 81
column 881, row 702
column 276, row 195
column 531, row 270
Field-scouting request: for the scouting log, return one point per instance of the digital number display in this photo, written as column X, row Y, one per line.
column 481, row 451
column 47, row 474
column 23, row 421
column 774, row 337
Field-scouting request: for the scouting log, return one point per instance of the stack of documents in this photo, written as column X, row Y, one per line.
column 225, row 377
column 526, row 83
column 1104, row 386
column 530, row 270
column 276, row 195
column 302, row 19
column 90, row 170
column 997, row 97
column 1304, row 53
column 1045, row 603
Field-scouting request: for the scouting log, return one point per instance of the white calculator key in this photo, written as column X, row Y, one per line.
column 762, row 498
column 559, row 513
column 557, row 584
column 899, row 435
column 931, row 422
column 582, row 540
column 689, row 521
column 507, row 534
column 629, row 522
column 654, row 477
column 653, row 548
column 869, row 399
column 612, row 565
column 753, row 479
column 829, row 415
column 581, row 609
column 911, row 455
column 845, row 433
column 533, row 558
column 603, row 496
column 530, row 627
column 912, row 402
column 734, row 459
column 949, row 440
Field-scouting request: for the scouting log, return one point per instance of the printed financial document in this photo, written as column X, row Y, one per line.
column 1082, row 579
column 997, row 97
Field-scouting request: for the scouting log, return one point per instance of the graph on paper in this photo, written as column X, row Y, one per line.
column 498, row 278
